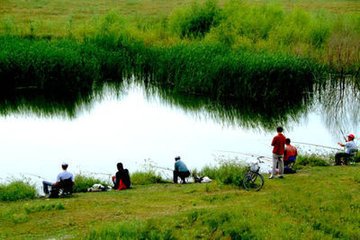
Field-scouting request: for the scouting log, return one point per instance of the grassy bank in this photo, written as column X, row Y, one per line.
column 315, row 203
column 327, row 31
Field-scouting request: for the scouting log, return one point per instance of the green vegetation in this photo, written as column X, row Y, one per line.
column 144, row 178
column 314, row 203
column 83, row 182
column 314, row 160
column 326, row 31
column 17, row 190
column 226, row 51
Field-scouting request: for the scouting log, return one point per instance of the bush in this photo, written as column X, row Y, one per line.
column 195, row 21
column 82, row 182
column 143, row 178
column 17, row 190
column 312, row 160
column 228, row 172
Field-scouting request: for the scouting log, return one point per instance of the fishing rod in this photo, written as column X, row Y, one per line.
column 34, row 175
column 246, row 154
column 151, row 164
column 343, row 134
column 97, row 173
column 316, row 145
column 164, row 168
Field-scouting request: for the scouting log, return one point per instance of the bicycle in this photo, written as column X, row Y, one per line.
column 253, row 180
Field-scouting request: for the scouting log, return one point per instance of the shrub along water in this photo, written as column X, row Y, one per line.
column 83, row 182
column 214, row 70
column 17, row 190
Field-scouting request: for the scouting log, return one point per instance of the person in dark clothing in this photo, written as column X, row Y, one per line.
column 180, row 170
column 121, row 179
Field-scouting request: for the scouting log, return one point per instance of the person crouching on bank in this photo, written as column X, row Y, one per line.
column 181, row 171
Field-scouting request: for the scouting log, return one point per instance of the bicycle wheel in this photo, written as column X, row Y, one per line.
column 253, row 181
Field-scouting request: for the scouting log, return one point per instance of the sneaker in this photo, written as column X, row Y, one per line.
column 281, row 176
column 271, row 176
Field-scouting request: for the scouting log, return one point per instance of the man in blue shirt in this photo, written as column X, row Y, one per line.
column 350, row 148
column 180, row 171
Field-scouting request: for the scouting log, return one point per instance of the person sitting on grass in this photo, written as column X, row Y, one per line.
column 181, row 171
column 121, row 179
column 290, row 154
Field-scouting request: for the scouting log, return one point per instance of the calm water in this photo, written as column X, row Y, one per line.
column 136, row 127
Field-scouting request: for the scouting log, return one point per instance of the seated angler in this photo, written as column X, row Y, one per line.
column 350, row 148
column 62, row 178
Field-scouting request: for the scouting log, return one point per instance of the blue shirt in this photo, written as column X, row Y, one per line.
column 180, row 166
column 64, row 175
column 350, row 147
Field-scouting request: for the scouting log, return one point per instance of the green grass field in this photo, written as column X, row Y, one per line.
column 54, row 17
column 326, row 31
column 315, row 203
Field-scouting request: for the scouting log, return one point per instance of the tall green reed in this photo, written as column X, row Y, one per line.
column 196, row 20
column 83, row 182
column 17, row 190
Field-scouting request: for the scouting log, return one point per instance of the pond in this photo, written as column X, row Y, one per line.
column 138, row 127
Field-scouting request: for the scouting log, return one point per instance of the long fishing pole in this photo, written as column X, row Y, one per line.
column 246, row 154
column 316, row 145
column 34, row 175
column 164, row 168
column 343, row 134
column 97, row 173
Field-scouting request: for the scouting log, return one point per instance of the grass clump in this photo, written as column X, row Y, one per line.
column 313, row 160
column 229, row 172
column 17, row 190
column 83, row 182
column 196, row 20
column 132, row 230
column 144, row 178
column 34, row 208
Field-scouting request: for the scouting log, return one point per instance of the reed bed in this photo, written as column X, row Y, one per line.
column 327, row 36
column 67, row 68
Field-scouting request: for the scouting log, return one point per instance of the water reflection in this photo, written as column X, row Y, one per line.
column 248, row 113
column 245, row 114
column 338, row 99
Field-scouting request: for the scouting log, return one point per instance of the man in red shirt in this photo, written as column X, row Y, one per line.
column 290, row 153
column 278, row 144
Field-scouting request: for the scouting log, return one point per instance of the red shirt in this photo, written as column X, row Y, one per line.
column 278, row 143
column 290, row 151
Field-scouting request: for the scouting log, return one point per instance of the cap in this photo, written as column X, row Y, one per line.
column 352, row 136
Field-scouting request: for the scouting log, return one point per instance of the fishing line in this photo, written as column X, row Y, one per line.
column 34, row 175
column 246, row 154
column 97, row 173
column 163, row 168
column 316, row 145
